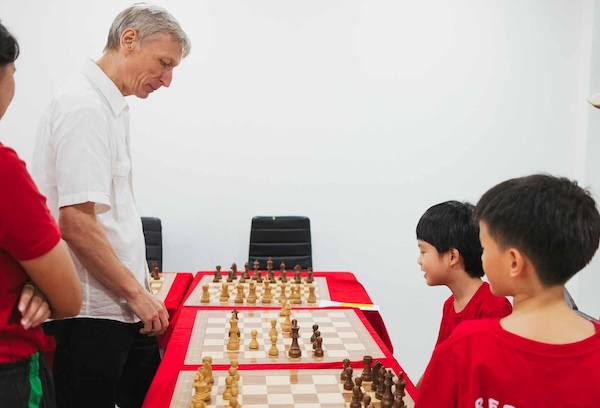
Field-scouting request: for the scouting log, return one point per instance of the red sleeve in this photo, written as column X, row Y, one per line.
column 439, row 387
column 27, row 230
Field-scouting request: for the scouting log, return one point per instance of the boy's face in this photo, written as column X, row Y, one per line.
column 494, row 260
column 433, row 264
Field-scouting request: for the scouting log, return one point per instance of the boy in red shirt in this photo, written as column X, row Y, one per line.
column 536, row 232
column 450, row 255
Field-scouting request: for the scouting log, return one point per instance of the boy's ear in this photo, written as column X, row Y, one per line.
column 518, row 262
column 454, row 256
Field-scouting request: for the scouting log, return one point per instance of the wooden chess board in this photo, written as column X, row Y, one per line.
column 343, row 332
column 278, row 389
column 160, row 287
column 214, row 289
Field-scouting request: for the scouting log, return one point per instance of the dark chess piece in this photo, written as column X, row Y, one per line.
column 313, row 337
column 398, row 402
column 400, row 385
column 381, row 383
column 234, row 269
column 318, row 347
column 346, row 363
column 317, row 335
column 367, row 374
column 367, row 400
column 358, row 383
column 387, row 399
column 348, row 384
column 355, row 403
column 298, row 274
column 256, row 271
column 230, row 276
column 375, row 383
column 217, row 277
column 295, row 351
column 246, row 270
column 309, row 278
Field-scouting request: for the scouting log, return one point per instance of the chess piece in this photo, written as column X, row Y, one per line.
column 400, row 385
column 205, row 294
column 355, row 403
column 286, row 326
column 256, row 271
column 282, row 296
column 273, row 351
column 358, row 383
column 201, row 389
column 207, row 369
column 273, row 331
column 253, row 342
column 234, row 270
column 224, row 297
column 367, row 401
column 233, row 344
column 375, row 370
column 309, row 278
column 251, row 294
column 240, row 294
column 295, row 351
column 317, row 334
column 217, row 277
column 315, row 327
column 312, row 298
column 387, row 399
column 381, row 385
column 318, row 351
column 367, row 374
column 233, row 401
column 269, row 264
column 155, row 272
column 267, row 296
column 283, row 273
column 235, row 364
column 230, row 276
column 295, row 296
column 228, row 383
column 246, row 273
column 346, row 363
column 348, row 383
column 283, row 304
column 298, row 274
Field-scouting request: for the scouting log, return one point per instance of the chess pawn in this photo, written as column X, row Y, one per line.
column 317, row 334
column 346, row 363
column 235, row 364
column 318, row 352
column 233, row 402
column 315, row 327
column 312, row 298
column 240, row 294
column 367, row 401
column 253, row 342
column 267, row 296
column 205, row 295
column 224, row 297
column 273, row 331
column 286, row 326
column 358, row 383
column 348, row 384
column 273, row 351
column 228, row 383
column 282, row 296
column 355, row 403
column 309, row 278
column 251, row 294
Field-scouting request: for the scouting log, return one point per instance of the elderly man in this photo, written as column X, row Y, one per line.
column 109, row 353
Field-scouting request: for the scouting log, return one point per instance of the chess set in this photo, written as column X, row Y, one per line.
column 160, row 283
column 343, row 336
column 302, row 388
column 248, row 289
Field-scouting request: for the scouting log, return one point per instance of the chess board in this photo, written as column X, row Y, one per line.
column 160, row 287
column 344, row 336
column 214, row 289
column 278, row 389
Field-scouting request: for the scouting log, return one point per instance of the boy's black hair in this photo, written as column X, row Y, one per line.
column 450, row 225
column 553, row 221
column 9, row 48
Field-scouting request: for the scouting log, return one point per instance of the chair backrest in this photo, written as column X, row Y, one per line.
column 285, row 239
column 153, row 236
column 571, row 302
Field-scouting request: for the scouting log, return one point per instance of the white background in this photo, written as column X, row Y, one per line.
column 358, row 114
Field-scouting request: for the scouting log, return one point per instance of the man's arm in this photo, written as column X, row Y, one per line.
column 87, row 240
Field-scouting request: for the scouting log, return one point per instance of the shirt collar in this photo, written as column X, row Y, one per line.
column 105, row 86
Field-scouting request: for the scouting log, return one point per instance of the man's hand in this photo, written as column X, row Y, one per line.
column 152, row 312
column 33, row 306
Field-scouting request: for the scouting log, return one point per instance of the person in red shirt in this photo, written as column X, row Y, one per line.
column 537, row 232
column 450, row 255
column 38, row 277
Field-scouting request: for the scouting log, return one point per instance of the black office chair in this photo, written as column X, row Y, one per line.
column 572, row 305
column 284, row 239
column 153, row 236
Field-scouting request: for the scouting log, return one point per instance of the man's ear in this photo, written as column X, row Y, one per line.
column 128, row 39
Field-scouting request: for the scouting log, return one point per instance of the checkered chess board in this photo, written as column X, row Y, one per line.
column 278, row 389
column 160, row 287
column 344, row 336
column 214, row 289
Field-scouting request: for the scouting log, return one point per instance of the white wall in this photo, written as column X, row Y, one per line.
column 358, row 114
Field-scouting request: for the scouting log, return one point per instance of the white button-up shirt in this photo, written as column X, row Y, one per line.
column 82, row 155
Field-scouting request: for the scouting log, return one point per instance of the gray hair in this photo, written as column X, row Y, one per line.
column 148, row 20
